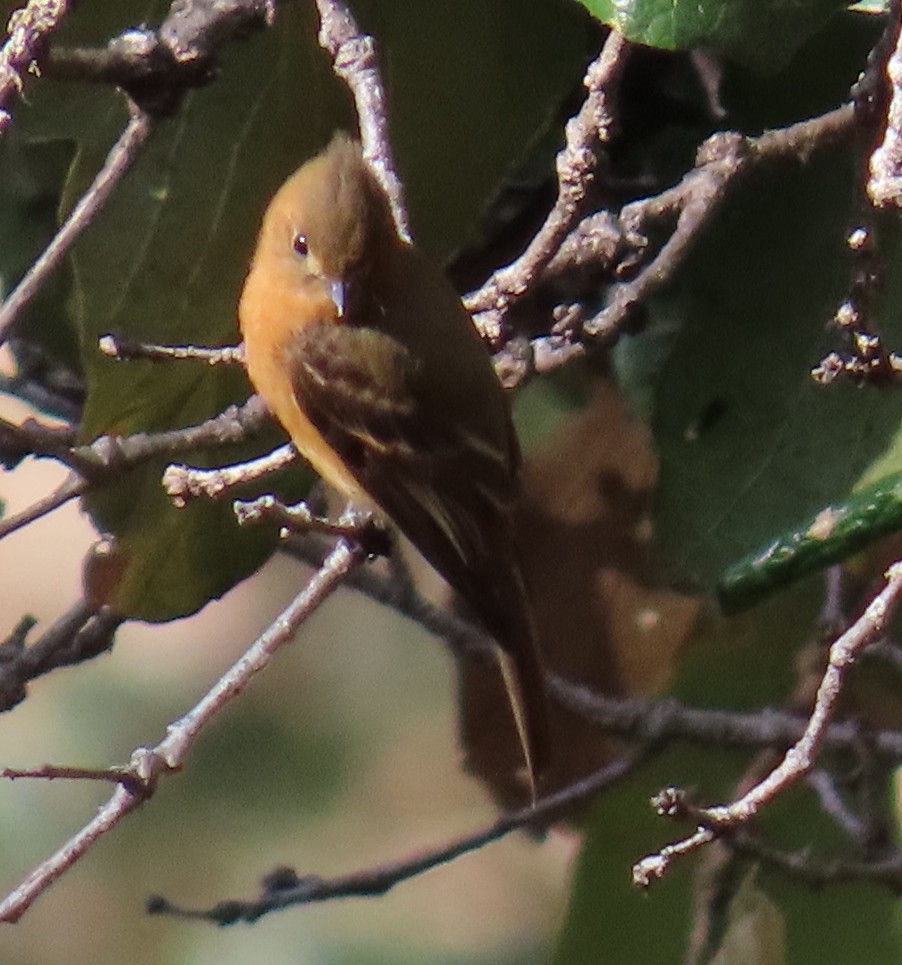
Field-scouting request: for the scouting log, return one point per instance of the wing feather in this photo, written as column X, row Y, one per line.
column 446, row 486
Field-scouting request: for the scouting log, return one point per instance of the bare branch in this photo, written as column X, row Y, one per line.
column 519, row 360
column 575, row 167
column 651, row 722
column 286, row 888
column 108, row 453
column 884, row 869
column 81, row 633
column 55, row 772
column 124, row 348
column 119, row 160
column 193, row 29
column 45, row 398
column 458, row 633
column 28, row 30
column 801, row 757
column 157, row 68
column 721, row 161
column 108, row 456
column 360, row 527
column 185, row 482
column 824, row 786
column 122, row 803
column 32, row 438
column 597, row 241
column 354, row 58
column 147, row 765
column 621, row 246
column 71, row 487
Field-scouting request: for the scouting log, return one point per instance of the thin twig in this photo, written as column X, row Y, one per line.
column 109, row 815
column 119, row 160
column 721, row 162
column 83, row 632
column 57, row 772
column 354, row 59
column 124, row 348
column 362, row 528
column 186, row 482
column 824, row 786
column 576, row 165
column 455, row 630
column 519, row 360
column 286, row 888
column 32, row 438
column 62, row 405
column 621, row 244
column 108, row 456
column 156, row 68
column 666, row 720
column 147, row 765
column 28, row 30
column 884, row 869
column 71, row 487
column 801, row 757
column 888, row 651
column 658, row 721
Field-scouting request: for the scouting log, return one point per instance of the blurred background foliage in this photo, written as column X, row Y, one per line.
column 704, row 426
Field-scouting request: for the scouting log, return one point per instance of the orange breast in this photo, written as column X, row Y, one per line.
column 268, row 319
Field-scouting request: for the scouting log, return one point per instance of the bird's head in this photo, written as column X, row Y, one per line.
column 329, row 222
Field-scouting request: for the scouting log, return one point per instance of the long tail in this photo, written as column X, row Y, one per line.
column 525, row 685
column 508, row 616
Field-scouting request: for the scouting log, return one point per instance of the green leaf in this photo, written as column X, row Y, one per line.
column 831, row 537
column 32, row 174
column 749, row 444
column 468, row 85
column 763, row 34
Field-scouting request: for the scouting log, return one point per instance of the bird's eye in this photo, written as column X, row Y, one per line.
column 300, row 245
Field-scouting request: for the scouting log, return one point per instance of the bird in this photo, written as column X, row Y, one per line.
column 362, row 350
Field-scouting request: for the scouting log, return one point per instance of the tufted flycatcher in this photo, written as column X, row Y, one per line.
column 363, row 351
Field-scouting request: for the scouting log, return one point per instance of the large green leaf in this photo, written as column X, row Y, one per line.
column 750, row 445
column 32, row 173
column 469, row 83
column 759, row 33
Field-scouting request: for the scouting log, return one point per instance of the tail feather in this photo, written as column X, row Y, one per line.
column 509, row 619
column 524, row 683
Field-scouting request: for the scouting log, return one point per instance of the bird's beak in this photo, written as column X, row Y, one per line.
column 338, row 292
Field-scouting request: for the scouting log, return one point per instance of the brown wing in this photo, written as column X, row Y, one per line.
column 449, row 489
